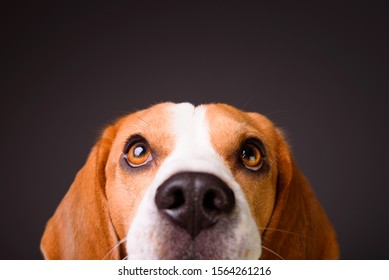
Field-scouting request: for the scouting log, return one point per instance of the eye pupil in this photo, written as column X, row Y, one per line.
column 249, row 154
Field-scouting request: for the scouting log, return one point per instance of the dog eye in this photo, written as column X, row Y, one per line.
column 138, row 154
column 251, row 156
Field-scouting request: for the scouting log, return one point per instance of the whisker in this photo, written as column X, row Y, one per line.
column 115, row 247
column 142, row 120
column 271, row 251
column 125, row 258
column 285, row 231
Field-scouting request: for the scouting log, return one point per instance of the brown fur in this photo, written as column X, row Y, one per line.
column 299, row 227
column 81, row 227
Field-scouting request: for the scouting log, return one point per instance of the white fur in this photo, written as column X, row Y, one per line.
column 193, row 151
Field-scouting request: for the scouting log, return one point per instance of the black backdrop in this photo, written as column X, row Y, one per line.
column 320, row 71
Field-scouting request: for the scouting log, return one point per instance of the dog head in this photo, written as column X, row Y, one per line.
column 176, row 181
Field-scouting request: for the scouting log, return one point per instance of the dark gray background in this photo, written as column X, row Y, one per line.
column 318, row 70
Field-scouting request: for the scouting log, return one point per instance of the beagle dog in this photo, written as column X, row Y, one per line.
column 177, row 181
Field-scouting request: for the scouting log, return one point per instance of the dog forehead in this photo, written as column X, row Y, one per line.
column 190, row 119
column 201, row 126
column 223, row 117
column 207, row 137
column 184, row 120
column 193, row 129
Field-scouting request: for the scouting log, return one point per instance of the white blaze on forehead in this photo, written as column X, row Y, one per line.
column 191, row 129
column 193, row 150
column 188, row 121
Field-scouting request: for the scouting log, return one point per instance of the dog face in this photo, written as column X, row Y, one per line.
column 181, row 182
column 177, row 140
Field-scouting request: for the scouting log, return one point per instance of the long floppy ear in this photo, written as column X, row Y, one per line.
column 299, row 227
column 81, row 227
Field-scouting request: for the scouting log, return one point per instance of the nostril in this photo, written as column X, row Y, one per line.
column 217, row 200
column 170, row 197
column 209, row 201
column 177, row 199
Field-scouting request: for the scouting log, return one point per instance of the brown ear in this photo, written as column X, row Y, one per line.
column 81, row 226
column 299, row 227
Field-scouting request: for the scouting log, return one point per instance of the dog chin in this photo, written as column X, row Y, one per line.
column 207, row 245
column 216, row 243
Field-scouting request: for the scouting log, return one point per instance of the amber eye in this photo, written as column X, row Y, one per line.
column 251, row 156
column 138, row 154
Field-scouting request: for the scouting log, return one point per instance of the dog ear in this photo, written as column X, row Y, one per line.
column 299, row 227
column 81, row 226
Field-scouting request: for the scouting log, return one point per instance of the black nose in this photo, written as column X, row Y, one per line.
column 194, row 201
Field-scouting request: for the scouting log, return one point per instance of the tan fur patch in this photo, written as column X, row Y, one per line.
column 125, row 189
column 229, row 128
